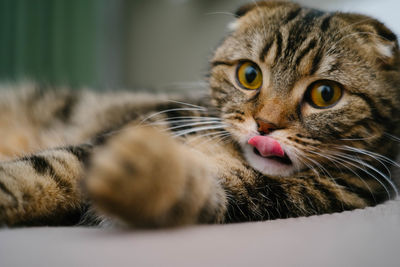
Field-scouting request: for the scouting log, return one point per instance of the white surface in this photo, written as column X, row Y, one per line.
column 369, row 237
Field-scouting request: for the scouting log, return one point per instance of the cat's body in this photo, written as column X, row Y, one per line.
column 302, row 119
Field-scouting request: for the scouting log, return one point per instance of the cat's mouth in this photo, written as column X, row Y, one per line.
column 268, row 156
column 269, row 148
column 280, row 159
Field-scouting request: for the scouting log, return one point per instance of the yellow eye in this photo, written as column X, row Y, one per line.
column 249, row 75
column 324, row 94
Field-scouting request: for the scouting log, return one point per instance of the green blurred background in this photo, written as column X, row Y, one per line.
column 56, row 41
column 155, row 44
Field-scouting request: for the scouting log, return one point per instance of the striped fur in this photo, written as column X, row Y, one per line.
column 146, row 161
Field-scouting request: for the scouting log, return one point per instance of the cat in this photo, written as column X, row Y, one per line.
column 301, row 119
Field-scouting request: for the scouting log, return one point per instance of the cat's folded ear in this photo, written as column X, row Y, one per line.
column 379, row 41
column 385, row 45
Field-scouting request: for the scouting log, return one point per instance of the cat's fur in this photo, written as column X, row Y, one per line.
column 144, row 161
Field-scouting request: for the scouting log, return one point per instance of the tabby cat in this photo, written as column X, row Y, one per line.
column 302, row 119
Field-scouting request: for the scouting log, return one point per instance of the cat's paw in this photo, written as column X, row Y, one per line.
column 139, row 177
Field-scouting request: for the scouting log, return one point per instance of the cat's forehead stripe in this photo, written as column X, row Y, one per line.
column 292, row 15
column 311, row 44
column 293, row 44
column 326, row 23
column 290, row 36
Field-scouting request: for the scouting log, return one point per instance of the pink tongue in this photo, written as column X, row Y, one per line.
column 267, row 146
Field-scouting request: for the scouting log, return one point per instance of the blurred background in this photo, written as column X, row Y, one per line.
column 132, row 44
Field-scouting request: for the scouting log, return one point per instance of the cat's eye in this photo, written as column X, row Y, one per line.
column 249, row 75
column 324, row 93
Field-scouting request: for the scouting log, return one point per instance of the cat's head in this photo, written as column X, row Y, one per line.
column 304, row 87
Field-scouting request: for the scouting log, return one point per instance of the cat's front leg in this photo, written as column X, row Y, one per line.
column 145, row 178
column 43, row 188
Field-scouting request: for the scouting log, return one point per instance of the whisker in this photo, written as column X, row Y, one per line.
column 378, row 159
column 191, row 124
column 360, row 139
column 333, row 159
column 194, row 117
column 329, row 176
column 205, row 135
column 393, row 137
column 376, row 156
column 171, row 110
column 198, row 129
column 186, row 104
column 364, row 164
column 300, row 158
column 309, row 166
column 370, row 174
column 222, row 136
column 183, row 119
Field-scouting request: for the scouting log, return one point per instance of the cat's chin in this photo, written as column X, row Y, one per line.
column 269, row 165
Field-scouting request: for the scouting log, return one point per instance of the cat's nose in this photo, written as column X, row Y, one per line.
column 265, row 127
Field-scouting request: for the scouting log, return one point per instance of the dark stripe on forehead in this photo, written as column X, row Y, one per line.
column 265, row 50
column 278, row 46
column 299, row 32
column 326, row 23
column 316, row 63
column 291, row 16
column 312, row 15
column 306, row 50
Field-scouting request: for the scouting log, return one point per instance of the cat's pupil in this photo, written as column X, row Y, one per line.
column 327, row 93
column 251, row 74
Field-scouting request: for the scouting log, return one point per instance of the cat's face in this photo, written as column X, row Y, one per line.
column 308, row 85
